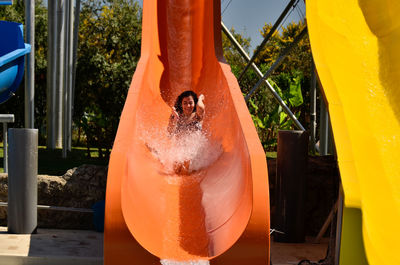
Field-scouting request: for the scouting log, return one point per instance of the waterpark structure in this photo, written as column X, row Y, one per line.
column 220, row 213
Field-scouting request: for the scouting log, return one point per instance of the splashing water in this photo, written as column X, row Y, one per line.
column 194, row 150
column 189, row 262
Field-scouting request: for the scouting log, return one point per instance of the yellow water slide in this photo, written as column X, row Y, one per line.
column 356, row 48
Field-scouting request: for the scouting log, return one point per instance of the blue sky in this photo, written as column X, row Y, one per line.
column 249, row 16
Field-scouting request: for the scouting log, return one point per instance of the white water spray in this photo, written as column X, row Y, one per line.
column 190, row 262
column 193, row 149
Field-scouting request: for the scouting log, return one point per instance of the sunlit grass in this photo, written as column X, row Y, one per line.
column 50, row 162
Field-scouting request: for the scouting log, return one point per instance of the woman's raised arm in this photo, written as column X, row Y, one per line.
column 173, row 120
column 200, row 107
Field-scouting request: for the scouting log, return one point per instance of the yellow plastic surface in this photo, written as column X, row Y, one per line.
column 352, row 249
column 356, row 48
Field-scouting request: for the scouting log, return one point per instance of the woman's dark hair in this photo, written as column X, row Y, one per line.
column 178, row 102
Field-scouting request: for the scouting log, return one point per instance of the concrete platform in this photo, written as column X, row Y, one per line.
column 290, row 254
column 82, row 247
column 50, row 246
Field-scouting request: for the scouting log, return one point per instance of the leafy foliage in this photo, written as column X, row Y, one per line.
column 299, row 59
column 109, row 49
column 231, row 55
column 288, row 80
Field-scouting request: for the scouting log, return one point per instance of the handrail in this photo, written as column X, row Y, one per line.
column 6, row 2
column 11, row 56
column 57, row 208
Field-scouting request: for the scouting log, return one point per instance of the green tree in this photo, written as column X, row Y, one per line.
column 299, row 59
column 15, row 105
column 291, row 79
column 231, row 54
column 236, row 60
column 288, row 80
column 109, row 49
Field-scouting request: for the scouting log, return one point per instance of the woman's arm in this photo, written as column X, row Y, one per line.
column 173, row 120
column 200, row 107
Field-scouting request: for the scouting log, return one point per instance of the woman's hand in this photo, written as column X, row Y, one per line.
column 174, row 114
column 200, row 106
column 201, row 98
column 173, row 120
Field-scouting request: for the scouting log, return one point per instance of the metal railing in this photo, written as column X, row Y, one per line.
column 56, row 208
column 260, row 74
column 278, row 61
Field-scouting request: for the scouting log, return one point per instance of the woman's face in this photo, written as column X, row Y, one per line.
column 187, row 105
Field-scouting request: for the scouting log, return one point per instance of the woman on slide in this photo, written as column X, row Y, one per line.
column 186, row 117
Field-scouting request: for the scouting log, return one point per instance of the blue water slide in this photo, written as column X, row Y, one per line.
column 6, row 2
column 12, row 51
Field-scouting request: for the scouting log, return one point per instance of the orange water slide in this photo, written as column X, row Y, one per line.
column 219, row 212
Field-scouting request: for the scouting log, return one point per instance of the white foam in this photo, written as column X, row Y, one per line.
column 193, row 148
column 189, row 262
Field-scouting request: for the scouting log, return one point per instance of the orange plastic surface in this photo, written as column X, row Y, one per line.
column 220, row 210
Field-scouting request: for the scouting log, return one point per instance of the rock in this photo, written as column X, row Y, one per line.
column 3, row 187
column 79, row 187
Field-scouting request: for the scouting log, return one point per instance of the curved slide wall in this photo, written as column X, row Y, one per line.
column 222, row 209
column 355, row 46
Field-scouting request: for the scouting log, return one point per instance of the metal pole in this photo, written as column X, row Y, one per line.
column 277, row 62
column 30, row 65
column 313, row 106
column 324, row 129
column 70, row 72
column 75, row 48
column 270, row 33
column 49, row 105
column 5, row 148
column 260, row 74
column 51, row 74
column 339, row 224
column 66, row 79
column 60, row 72
column 22, row 181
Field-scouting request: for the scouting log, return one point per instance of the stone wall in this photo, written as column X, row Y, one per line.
column 79, row 187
